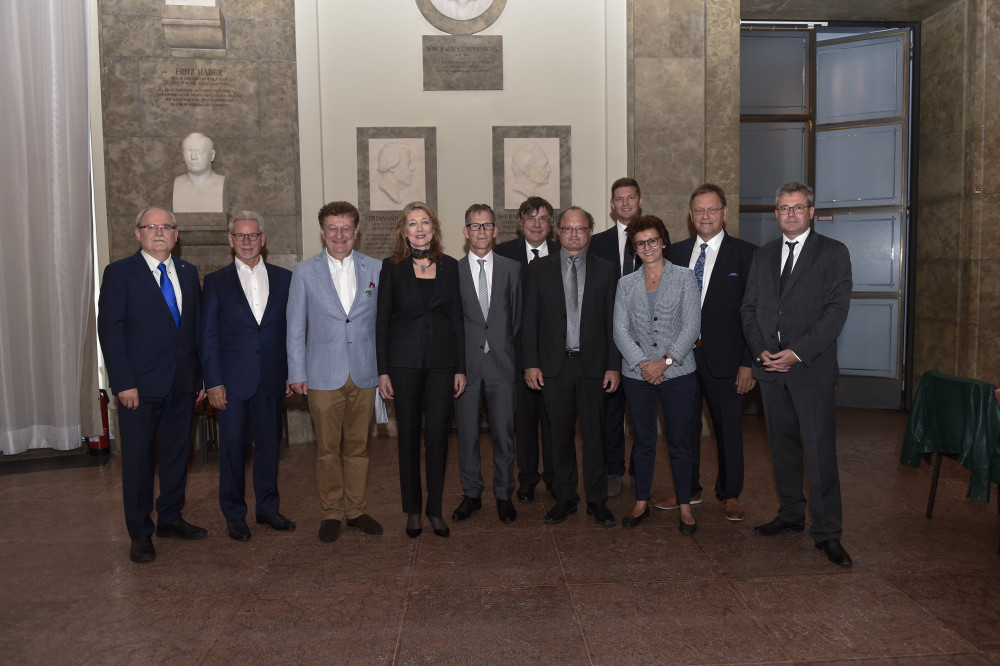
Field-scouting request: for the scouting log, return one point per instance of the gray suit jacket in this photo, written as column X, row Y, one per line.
column 672, row 328
column 504, row 322
column 326, row 344
column 810, row 314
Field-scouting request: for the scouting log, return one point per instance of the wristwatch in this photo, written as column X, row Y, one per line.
column 669, row 360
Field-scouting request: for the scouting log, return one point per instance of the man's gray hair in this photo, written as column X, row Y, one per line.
column 138, row 218
column 247, row 215
column 793, row 187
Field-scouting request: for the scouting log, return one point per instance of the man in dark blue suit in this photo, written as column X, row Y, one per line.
column 721, row 265
column 147, row 321
column 241, row 339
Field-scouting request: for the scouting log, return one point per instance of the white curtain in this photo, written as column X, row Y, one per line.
column 45, row 224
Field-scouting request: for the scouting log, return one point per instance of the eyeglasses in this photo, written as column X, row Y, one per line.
column 574, row 230
column 798, row 208
column 476, row 226
column 700, row 212
column 253, row 236
column 651, row 243
column 152, row 228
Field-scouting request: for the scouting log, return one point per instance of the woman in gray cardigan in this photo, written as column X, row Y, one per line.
column 657, row 320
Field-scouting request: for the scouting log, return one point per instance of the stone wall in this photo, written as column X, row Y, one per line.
column 243, row 96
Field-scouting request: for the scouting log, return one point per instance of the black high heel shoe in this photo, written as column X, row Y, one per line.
column 414, row 532
column 444, row 530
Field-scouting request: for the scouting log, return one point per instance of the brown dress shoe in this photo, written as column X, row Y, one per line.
column 732, row 509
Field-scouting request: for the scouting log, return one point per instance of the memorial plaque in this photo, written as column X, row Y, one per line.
column 219, row 98
column 463, row 62
column 529, row 161
column 396, row 166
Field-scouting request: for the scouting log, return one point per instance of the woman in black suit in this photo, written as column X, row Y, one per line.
column 420, row 349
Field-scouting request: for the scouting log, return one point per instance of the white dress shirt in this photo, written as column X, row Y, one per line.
column 801, row 240
column 255, row 285
column 153, row 264
column 711, row 254
column 543, row 250
column 474, row 269
column 344, row 279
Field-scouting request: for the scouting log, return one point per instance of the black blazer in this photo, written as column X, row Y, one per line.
column 721, row 325
column 810, row 314
column 605, row 246
column 515, row 249
column 411, row 335
column 543, row 327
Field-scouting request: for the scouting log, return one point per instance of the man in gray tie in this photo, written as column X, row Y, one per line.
column 491, row 300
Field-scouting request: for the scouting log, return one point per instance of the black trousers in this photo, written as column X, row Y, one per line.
column 427, row 393
column 725, row 406
column 529, row 414
column 568, row 396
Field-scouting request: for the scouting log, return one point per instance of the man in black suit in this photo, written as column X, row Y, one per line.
column 611, row 245
column 147, row 323
column 796, row 303
column 569, row 353
column 721, row 265
column 535, row 227
column 241, row 340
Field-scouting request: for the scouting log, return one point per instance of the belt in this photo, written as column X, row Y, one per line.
column 572, row 354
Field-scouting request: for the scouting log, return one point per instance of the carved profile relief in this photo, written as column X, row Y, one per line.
column 396, row 172
column 200, row 190
column 531, row 168
column 462, row 10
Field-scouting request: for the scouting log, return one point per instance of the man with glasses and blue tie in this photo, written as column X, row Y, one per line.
column 490, row 286
column 795, row 305
column 241, row 339
column 147, row 322
column 569, row 354
column 721, row 265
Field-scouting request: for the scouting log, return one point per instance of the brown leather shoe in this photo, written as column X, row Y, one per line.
column 734, row 512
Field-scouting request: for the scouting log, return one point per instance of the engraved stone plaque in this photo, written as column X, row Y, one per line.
column 218, row 97
column 463, row 62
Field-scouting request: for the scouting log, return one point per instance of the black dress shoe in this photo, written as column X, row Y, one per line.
column 526, row 493
column 687, row 529
column 181, row 529
column 142, row 549
column 835, row 552
column 276, row 521
column 601, row 513
column 630, row 521
column 329, row 530
column 238, row 529
column 414, row 533
column 468, row 505
column 413, row 527
column 506, row 511
column 440, row 528
column 366, row 524
column 777, row 526
column 560, row 512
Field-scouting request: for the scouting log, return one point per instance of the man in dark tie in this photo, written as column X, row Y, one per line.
column 242, row 346
column 795, row 305
column 490, row 286
column 147, row 324
column 721, row 265
column 611, row 245
column 569, row 352
column 535, row 228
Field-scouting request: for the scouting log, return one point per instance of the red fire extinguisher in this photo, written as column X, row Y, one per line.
column 101, row 446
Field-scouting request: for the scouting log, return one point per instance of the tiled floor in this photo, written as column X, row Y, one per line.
column 921, row 591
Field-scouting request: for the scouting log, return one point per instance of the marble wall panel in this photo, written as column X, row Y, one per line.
column 669, row 92
column 722, row 162
column 215, row 97
column 975, row 93
column 991, row 137
column 935, row 347
column 121, row 235
column 686, row 29
column 652, row 158
column 137, row 174
column 120, row 80
column 943, row 41
column 993, row 30
column 278, row 90
column 136, row 7
column 941, row 163
column 686, row 168
column 129, row 35
column 722, row 29
column 722, row 91
column 648, row 19
column 942, row 107
column 260, row 40
column 990, row 239
column 672, row 209
column 939, row 229
column 938, row 294
column 260, row 9
column 265, row 176
column 989, row 321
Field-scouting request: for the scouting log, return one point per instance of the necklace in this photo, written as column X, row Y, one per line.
column 423, row 269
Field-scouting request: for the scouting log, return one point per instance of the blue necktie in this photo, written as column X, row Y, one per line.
column 699, row 266
column 167, row 287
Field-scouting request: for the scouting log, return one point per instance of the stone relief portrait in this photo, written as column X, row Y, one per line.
column 531, row 168
column 462, row 10
column 396, row 172
column 200, row 190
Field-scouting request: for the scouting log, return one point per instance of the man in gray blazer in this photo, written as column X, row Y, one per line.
column 491, row 300
column 331, row 359
column 794, row 307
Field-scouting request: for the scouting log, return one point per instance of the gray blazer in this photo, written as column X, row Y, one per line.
column 326, row 344
column 504, row 320
column 672, row 329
